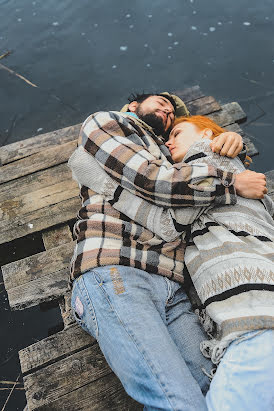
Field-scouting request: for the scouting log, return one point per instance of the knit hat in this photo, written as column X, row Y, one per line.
column 181, row 109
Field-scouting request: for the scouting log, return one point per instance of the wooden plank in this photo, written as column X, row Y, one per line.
column 38, row 161
column 229, row 114
column 202, row 106
column 53, row 348
column 30, row 146
column 66, row 311
column 189, row 94
column 30, row 202
column 40, row 219
column 251, row 149
column 70, row 358
column 35, row 181
column 270, row 183
column 37, row 266
column 103, row 394
column 48, row 288
column 54, row 237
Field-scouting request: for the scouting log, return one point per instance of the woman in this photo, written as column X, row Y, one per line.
column 230, row 258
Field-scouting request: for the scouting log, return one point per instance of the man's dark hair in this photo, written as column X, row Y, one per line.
column 142, row 97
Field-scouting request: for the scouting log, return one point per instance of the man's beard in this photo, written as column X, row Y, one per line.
column 153, row 121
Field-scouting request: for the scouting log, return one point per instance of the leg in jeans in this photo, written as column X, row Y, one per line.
column 244, row 377
column 124, row 308
column 187, row 333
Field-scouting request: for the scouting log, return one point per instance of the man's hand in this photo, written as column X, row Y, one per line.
column 249, row 184
column 227, row 144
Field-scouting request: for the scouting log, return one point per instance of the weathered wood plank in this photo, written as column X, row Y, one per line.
column 104, row 394
column 48, row 288
column 270, row 183
column 54, row 237
column 251, row 149
column 33, row 201
column 66, row 311
column 37, row 266
column 230, row 113
column 65, row 375
column 38, row 161
column 35, row 181
column 53, row 348
column 30, row 146
column 39, row 220
column 70, row 358
column 202, row 106
column 189, row 94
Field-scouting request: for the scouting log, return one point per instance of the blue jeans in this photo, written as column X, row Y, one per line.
column 244, row 377
column 147, row 333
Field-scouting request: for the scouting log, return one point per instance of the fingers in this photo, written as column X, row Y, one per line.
column 234, row 150
column 227, row 144
column 218, row 143
column 230, row 144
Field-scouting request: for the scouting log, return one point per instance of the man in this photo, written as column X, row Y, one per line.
column 127, row 289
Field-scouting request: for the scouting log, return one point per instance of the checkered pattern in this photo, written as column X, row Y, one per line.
column 138, row 162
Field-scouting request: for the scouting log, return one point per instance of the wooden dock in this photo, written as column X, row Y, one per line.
column 66, row 371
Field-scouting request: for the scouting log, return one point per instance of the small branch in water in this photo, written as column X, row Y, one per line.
column 5, row 54
column 11, row 391
column 10, row 382
column 18, row 75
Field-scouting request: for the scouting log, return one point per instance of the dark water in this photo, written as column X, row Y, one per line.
column 86, row 56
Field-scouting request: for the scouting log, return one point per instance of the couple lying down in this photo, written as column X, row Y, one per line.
column 229, row 255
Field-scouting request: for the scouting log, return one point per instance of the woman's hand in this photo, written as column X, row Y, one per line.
column 228, row 144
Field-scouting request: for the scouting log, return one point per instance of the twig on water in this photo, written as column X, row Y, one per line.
column 10, row 382
column 11, row 391
column 17, row 75
column 5, row 54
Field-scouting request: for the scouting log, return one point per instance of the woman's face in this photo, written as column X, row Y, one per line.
column 181, row 138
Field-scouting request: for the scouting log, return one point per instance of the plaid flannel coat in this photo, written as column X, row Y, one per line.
column 137, row 162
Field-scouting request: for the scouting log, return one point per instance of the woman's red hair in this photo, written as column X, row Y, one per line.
column 202, row 122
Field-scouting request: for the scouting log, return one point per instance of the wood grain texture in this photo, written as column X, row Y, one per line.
column 56, row 236
column 35, row 181
column 68, row 371
column 38, row 278
column 53, row 348
column 230, row 113
column 38, row 220
column 30, row 146
column 38, row 161
column 203, row 106
column 103, row 394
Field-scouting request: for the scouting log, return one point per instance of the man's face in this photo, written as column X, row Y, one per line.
column 156, row 111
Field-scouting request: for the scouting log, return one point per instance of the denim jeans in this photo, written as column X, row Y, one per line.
column 244, row 377
column 148, row 334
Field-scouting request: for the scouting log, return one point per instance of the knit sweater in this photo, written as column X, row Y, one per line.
column 136, row 161
column 230, row 257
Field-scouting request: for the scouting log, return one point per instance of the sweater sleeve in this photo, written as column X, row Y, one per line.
column 166, row 223
column 109, row 138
